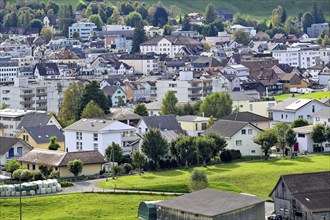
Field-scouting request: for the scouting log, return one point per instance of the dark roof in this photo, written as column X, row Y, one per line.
column 41, row 134
column 245, row 116
column 45, row 68
column 122, row 114
column 110, row 90
column 229, row 128
column 163, row 122
column 315, row 202
column 34, row 119
column 8, row 142
column 60, row 158
column 210, row 202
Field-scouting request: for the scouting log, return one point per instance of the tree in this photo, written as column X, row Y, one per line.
column 75, row 167
column 290, row 138
column 92, row 110
column 46, row 34
column 198, row 180
column 266, row 139
column 212, row 31
column 141, row 110
column 280, row 129
column 185, row 109
column 71, row 100
column 10, row 20
column 154, row 145
column 204, row 148
column 220, row 142
column 114, row 152
column 216, row 104
column 210, row 122
column 139, row 36
column 53, row 145
column 186, row 149
column 325, row 41
column 241, row 37
column 159, row 16
column 142, row 11
column 207, row 47
column 115, row 17
column 210, row 14
column 102, row 14
column 65, row 18
column 133, row 19
column 318, row 134
column 52, row 5
column 289, row 27
column 299, row 123
column 185, row 23
column 121, row 102
column 36, row 23
column 169, row 102
column 139, row 159
column 46, row 169
column 96, row 19
column 76, row 35
column 277, row 16
column 167, row 29
column 317, row 13
column 283, row 15
column 327, row 133
column 93, row 92
column 307, row 21
column 12, row 165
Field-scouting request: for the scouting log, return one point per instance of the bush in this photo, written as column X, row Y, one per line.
column 118, row 170
column 36, row 175
column 54, row 174
column 126, row 159
column 152, row 166
column 25, row 175
column 168, row 164
column 225, row 156
column 162, row 164
column 235, row 154
column 65, row 183
column 198, row 180
column 17, row 174
column 12, row 165
column 127, row 168
column 174, row 163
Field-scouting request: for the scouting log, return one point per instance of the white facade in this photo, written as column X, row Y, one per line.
column 85, row 140
column 14, row 49
column 243, row 141
column 186, row 88
column 250, row 30
column 141, row 64
column 83, row 28
column 163, row 46
column 8, row 70
column 237, row 69
column 15, row 152
column 297, row 57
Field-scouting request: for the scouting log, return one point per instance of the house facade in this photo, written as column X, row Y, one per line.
column 12, row 148
column 193, row 125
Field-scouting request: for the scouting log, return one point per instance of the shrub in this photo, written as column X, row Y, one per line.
column 127, row 168
column 25, row 175
column 118, row 170
column 37, row 175
column 198, row 180
column 65, row 183
column 152, row 166
column 54, row 174
column 12, row 165
column 225, row 156
column 174, row 163
column 168, row 164
column 17, row 174
column 126, row 159
column 162, row 164
column 235, row 154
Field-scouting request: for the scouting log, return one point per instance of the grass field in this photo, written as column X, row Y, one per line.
column 254, row 8
column 255, row 177
column 314, row 95
column 76, row 206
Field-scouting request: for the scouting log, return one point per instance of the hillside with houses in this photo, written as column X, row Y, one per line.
column 102, row 97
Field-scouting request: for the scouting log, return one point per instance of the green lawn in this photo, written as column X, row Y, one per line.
column 255, row 177
column 76, row 206
column 314, row 95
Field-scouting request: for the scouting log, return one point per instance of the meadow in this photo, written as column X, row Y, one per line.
column 314, row 95
column 253, row 177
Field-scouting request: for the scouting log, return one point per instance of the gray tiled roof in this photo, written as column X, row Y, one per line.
column 34, row 119
column 163, row 122
column 8, row 142
column 228, row 128
column 41, row 134
column 123, row 114
column 210, row 202
column 192, row 118
column 323, row 113
column 245, row 116
column 89, row 124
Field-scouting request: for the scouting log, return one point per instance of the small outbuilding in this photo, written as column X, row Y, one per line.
column 210, row 204
column 147, row 210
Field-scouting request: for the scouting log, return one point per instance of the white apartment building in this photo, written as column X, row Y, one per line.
column 114, row 27
column 186, row 88
column 250, row 30
column 13, row 48
column 9, row 70
column 43, row 96
column 84, row 29
column 170, row 45
column 237, row 69
column 302, row 55
column 142, row 63
column 97, row 134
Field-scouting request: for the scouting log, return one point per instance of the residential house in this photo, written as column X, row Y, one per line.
column 224, row 14
column 250, row 30
column 324, row 77
column 135, row 91
column 291, row 80
column 293, row 108
column 46, row 71
column 206, row 63
column 154, row 108
column 124, row 115
column 255, row 119
column 98, row 134
column 39, row 136
column 237, row 69
column 9, row 70
column 38, row 119
column 171, row 45
column 322, row 116
column 315, row 30
column 84, row 29
column 12, row 148
column 302, row 196
column 162, row 122
column 314, row 71
column 114, row 93
column 239, row 136
column 193, row 125
column 92, row 161
column 142, row 63
column 221, row 206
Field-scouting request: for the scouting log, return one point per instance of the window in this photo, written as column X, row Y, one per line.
column 26, row 138
column 317, row 119
column 96, row 138
column 204, row 126
column 313, row 108
column 79, row 145
column 281, row 115
column 249, row 131
column 301, row 135
column 253, row 151
column 95, row 146
column 238, row 142
column 243, row 131
column 20, row 151
column 301, row 116
column 286, row 116
column 196, row 126
column 33, row 167
column 28, row 166
column 78, row 135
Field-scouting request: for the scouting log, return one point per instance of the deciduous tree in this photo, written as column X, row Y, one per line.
column 71, row 100
column 92, row 110
column 280, row 129
column 75, row 167
column 266, row 139
column 220, row 142
column 114, row 153
column 169, row 102
column 141, row 110
column 46, row 34
column 290, row 138
column 299, row 123
column 216, row 104
column 53, row 145
column 241, row 37
column 139, row 159
column 205, row 146
column 210, row 14
column 139, row 36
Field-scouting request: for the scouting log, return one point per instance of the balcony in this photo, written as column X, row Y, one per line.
column 27, row 95
column 41, row 94
column 42, row 101
column 30, row 102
